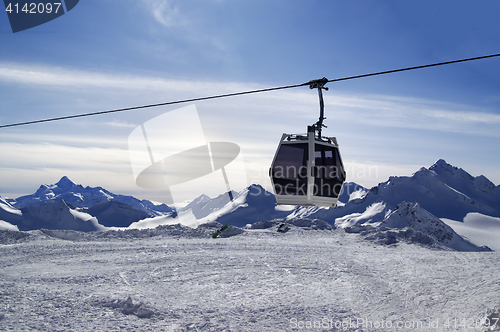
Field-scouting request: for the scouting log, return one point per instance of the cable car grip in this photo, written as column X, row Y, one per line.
column 319, row 84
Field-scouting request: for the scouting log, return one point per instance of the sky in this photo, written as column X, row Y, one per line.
column 110, row 54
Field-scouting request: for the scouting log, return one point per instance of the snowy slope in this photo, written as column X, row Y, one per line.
column 85, row 197
column 115, row 214
column 9, row 215
column 8, row 208
column 478, row 229
column 351, row 190
column 407, row 222
column 4, row 225
column 251, row 205
column 56, row 215
column 260, row 280
column 443, row 190
column 413, row 216
column 204, row 205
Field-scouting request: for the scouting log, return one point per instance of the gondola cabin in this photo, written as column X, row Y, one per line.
column 307, row 170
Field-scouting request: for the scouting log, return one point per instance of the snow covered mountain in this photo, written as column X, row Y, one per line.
column 440, row 191
column 409, row 222
column 204, row 205
column 251, row 205
column 351, row 190
column 85, row 197
column 50, row 215
column 62, row 215
column 57, row 215
column 444, row 190
column 430, row 196
column 67, row 205
column 115, row 214
column 8, row 213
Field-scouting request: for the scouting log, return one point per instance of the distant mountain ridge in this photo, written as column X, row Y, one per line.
column 445, row 191
column 85, row 197
column 67, row 205
column 57, row 215
column 440, row 191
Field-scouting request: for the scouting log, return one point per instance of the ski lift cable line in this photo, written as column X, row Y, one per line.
column 245, row 92
column 413, row 68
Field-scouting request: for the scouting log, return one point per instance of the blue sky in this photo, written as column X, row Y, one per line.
column 108, row 54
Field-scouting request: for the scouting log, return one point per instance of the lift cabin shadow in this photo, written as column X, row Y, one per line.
column 307, row 168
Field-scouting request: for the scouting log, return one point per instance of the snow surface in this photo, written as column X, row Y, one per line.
column 478, row 229
column 378, row 258
column 5, row 225
column 55, row 215
column 4, row 205
column 8, row 215
column 253, row 204
column 180, row 279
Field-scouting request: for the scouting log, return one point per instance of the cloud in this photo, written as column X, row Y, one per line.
column 287, row 106
column 76, row 140
column 51, row 76
column 166, row 13
column 189, row 26
column 414, row 113
column 47, row 155
column 119, row 124
column 57, row 77
column 366, row 125
column 23, row 167
column 465, row 117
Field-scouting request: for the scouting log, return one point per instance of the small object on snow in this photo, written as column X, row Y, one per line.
column 223, row 228
column 283, row 228
column 127, row 307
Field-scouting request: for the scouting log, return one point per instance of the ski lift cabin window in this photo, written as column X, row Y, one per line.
column 328, row 171
column 290, row 169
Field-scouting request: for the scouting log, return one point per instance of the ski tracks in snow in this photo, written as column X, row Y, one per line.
column 258, row 281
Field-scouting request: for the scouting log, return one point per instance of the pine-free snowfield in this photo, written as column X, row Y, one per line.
column 260, row 280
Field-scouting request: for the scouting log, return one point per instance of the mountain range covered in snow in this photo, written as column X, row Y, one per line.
column 423, row 208
column 84, row 197
column 67, row 205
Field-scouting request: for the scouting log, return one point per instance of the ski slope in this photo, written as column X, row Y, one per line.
column 259, row 280
column 478, row 229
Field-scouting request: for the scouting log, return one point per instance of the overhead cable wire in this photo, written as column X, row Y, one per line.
column 245, row 92
column 413, row 68
column 150, row 105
